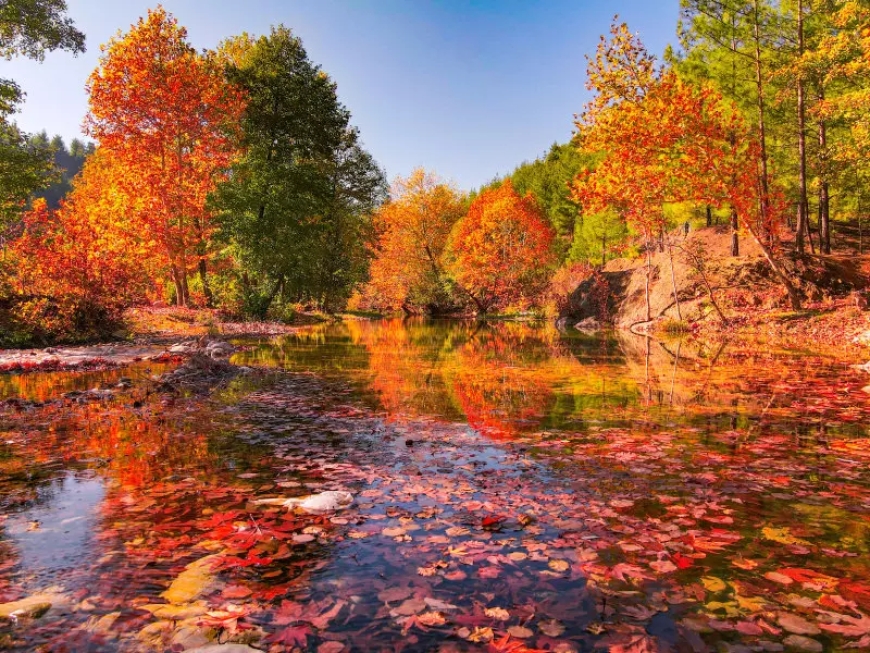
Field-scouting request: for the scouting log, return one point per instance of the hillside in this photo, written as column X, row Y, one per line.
column 743, row 287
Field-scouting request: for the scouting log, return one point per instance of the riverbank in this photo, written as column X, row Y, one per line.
column 693, row 285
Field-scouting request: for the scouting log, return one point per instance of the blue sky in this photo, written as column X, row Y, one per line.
column 467, row 89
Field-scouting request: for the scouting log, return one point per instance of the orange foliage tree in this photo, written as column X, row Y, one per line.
column 82, row 264
column 501, row 252
column 413, row 228
column 165, row 115
column 664, row 140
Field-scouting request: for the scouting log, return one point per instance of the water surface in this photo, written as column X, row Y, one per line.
column 515, row 489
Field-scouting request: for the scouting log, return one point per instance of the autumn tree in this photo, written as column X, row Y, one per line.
column 297, row 207
column 501, row 252
column 627, row 181
column 665, row 140
column 166, row 115
column 78, row 267
column 407, row 272
column 842, row 60
column 732, row 43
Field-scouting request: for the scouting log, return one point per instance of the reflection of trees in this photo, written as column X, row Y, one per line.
column 503, row 377
column 406, row 358
column 44, row 386
column 129, row 447
column 509, row 377
column 737, row 385
column 318, row 348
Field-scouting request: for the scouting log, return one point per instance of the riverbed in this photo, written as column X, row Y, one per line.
column 514, row 488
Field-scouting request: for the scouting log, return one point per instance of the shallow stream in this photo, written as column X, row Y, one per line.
column 514, row 489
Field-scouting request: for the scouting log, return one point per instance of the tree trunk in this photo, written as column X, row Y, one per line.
column 648, row 277
column 674, row 282
column 184, row 287
column 709, row 216
column 764, row 199
column 803, row 204
column 824, row 218
column 203, row 278
column 824, row 199
column 793, row 296
column 735, row 240
column 179, row 288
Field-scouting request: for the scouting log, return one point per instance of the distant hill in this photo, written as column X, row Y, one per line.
column 69, row 160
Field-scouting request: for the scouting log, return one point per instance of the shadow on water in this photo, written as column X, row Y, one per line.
column 514, row 486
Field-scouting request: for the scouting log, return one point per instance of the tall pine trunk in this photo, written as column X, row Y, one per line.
column 803, row 204
column 764, row 199
column 735, row 241
column 824, row 189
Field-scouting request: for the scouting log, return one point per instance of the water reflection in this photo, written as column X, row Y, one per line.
column 507, row 378
column 56, row 532
column 619, row 472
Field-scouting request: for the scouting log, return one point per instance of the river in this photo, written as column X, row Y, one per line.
column 515, row 489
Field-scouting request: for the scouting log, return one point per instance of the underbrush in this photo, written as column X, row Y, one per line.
column 41, row 322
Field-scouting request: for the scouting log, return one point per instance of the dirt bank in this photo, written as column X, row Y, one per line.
column 705, row 276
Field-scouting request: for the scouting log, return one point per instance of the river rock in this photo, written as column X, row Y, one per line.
column 183, row 348
column 196, row 579
column 589, row 325
column 329, row 501
column 219, row 349
column 32, row 607
column 189, row 637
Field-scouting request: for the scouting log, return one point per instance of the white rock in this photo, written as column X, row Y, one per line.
column 183, row 348
column 328, row 501
column 219, row 349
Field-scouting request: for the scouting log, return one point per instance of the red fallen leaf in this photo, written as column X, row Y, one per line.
column 291, row 636
column 508, row 645
column 849, row 626
column 682, row 561
column 322, row 620
column 623, row 570
column 489, row 572
column 227, row 619
column 273, row 592
column 856, row 591
column 236, row 592
column 809, row 576
column 629, row 643
column 491, row 521
column 229, row 562
column 837, row 602
column 748, row 628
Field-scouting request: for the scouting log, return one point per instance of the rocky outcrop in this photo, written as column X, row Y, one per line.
column 617, row 294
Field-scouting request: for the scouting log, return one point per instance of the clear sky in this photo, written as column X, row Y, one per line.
column 466, row 88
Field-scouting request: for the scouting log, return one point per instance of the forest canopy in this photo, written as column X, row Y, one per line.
column 234, row 178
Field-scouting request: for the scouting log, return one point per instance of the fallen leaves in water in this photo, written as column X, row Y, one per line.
column 632, row 535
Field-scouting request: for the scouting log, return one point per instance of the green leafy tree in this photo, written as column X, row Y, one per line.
column 297, row 206
column 28, row 28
